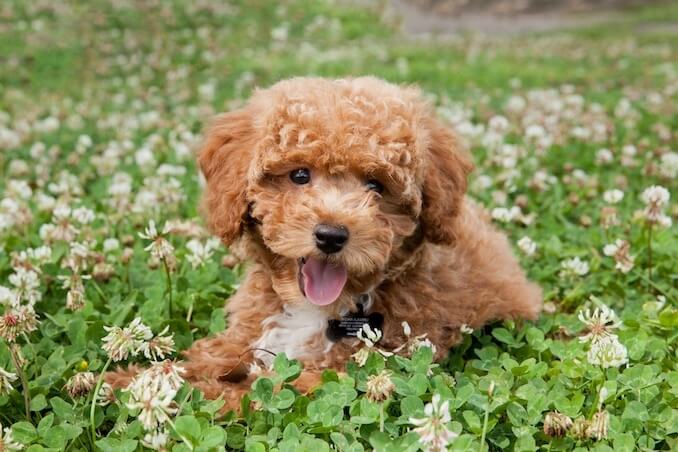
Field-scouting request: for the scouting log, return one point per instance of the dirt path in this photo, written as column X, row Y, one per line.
column 432, row 19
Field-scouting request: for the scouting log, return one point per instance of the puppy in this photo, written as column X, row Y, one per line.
column 347, row 196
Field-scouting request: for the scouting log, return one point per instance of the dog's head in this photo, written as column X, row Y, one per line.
column 329, row 180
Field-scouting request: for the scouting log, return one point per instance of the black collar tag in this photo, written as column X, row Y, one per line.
column 350, row 324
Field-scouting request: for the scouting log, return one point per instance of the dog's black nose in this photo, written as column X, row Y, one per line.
column 330, row 239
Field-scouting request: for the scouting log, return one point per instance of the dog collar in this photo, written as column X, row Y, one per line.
column 352, row 322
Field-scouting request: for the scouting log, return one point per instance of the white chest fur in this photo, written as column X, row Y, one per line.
column 298, row 331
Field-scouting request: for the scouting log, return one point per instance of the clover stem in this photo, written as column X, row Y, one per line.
column 649, row 251
column 596, row 392
column 24, row 381
column 92, row 408
column 381, row 417
column 169, row 286
column 99, row 291
column 183, row 438
column 486, row 417
column 127, row 280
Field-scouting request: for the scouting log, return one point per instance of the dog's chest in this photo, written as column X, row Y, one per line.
column 298, row 331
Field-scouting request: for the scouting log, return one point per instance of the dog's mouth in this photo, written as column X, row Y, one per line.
column 320, row 281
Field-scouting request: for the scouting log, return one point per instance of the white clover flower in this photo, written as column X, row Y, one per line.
column 16, row 321
column 6, row 380
column 602, row 395
column 7, row 442
column 379, row 386
column 607, row 352
column 368, row 335
column 629, row 150
column 121, row 185
column 613, row 196
column 19, row 189
column 556, row 424
column 200, row 253
column 62, row 229
column 527, row 246
column 516, row 104
column 111, row 244
column 464, row 328
column 153, row 392
column 45, row 202
column 155, row 400
column 84, row 142
column 41, row 254
column 47, row 232
column 669, row 165
column 77, row 258
column 420, row 342
column 18, row 167
column 83, row 215
column 604, row 156
column 144, row 158
column 160, row 248
column 535, row 132
column 26, row 283
column 158, row 347
column 498, row 124
column 6, row 221
column 360, row 357
column 412, row 344
column 599, row 323
column 482, row 182
column 656, row 195
column 120, row 343
column 75, row 298
column 167, row 370
column 171, row 170
column 61, row 212
column 620, row 250
column 106, row 395
column 80, row 384
column 8, row 297
column 504, row 214
column 406, row 328
column 656, row 198
column 600, row 424
column 611, row 248
column 156, row 439
column 434, row 435
column 280, row 33
column 151, row 232
column 574, row 267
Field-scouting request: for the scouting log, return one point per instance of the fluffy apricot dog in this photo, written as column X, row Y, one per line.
column 348, row 198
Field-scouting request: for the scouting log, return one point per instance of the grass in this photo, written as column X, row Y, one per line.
column 90, row 90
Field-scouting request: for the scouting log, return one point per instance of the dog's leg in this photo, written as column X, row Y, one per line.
column 223, row 358
column 308, row 380
column 122, row 377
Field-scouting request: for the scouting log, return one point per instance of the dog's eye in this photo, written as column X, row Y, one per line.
column 375, row 185
column 301, row 176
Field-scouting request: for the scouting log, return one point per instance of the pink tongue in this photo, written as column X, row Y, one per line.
column 323, row 282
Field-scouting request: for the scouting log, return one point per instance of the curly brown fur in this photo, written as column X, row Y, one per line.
column 425, row 253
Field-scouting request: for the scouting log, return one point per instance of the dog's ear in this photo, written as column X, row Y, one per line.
column 224, row 159
column 444, row 183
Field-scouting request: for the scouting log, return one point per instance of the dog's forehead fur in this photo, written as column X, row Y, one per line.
column 361, row 125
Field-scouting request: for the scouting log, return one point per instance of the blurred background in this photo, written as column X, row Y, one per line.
column 510, row 16
column 218, row 50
